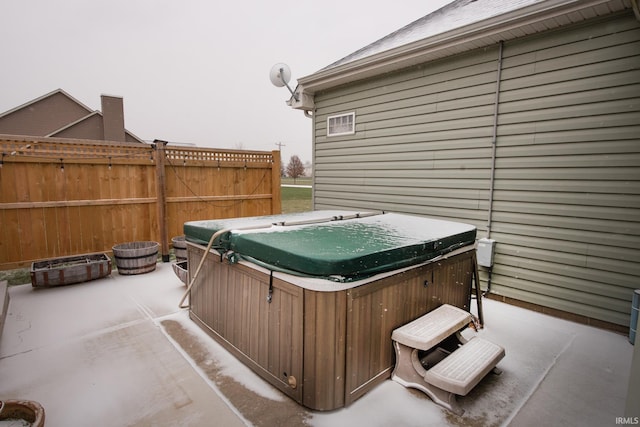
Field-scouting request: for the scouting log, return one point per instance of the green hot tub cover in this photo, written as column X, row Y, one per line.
column 337, row 245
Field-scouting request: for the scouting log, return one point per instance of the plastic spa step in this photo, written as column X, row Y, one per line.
column 463, row 369
column 432, row 328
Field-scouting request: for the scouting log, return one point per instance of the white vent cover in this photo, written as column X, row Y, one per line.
column 342, row 124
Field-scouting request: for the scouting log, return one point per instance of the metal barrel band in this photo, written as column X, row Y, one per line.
column 154, row 254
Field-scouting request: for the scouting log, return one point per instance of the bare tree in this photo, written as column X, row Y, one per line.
column 295, row 168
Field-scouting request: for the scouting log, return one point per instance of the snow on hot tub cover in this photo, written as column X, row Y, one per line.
column 337, row 245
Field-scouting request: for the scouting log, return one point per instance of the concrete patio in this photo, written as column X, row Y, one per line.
column 118, row 351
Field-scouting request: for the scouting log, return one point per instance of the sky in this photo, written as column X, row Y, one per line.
column 194, row 71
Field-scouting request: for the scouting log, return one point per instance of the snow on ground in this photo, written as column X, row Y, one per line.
column 100, row 351
column 227, row 363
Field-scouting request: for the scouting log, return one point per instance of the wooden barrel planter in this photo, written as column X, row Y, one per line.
column 181, row 270
column 136, row 257
column 179, row 248
column 21, row 411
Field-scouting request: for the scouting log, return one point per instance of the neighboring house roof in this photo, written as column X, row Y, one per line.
column 460, row 26
column 57, row 114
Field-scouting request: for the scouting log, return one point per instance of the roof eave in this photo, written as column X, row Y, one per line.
column 478, row 34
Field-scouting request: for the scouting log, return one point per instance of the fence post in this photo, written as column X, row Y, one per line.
column 161, row 190
column 276, row 200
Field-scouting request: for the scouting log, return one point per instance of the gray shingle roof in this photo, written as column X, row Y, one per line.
column 456, row 14
column 459, row 27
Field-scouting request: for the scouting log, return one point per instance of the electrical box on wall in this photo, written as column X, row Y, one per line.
column 485, row 250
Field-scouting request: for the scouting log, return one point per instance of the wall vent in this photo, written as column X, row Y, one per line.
column 341, row 124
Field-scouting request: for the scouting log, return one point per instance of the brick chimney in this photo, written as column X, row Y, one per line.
column 113, row 118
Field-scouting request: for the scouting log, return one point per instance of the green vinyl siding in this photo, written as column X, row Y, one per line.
column 567, row 189
column 423, row 138
column 566, row 209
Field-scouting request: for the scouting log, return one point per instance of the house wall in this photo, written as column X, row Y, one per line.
column 130, row 138
column 90, row 128
column 566, row 209
column 43, row 116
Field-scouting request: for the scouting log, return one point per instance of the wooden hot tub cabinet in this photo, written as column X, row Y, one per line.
column 322, row 343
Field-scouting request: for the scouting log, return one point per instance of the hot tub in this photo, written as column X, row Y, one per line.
column 309, row 301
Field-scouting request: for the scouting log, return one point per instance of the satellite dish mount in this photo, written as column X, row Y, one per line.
column 280, row 75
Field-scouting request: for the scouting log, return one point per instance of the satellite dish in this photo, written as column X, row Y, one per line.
column 280, row 74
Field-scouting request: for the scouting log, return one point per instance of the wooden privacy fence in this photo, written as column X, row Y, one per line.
column 62, row 197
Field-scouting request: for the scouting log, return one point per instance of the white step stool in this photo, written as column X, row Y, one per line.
column 456, row 374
